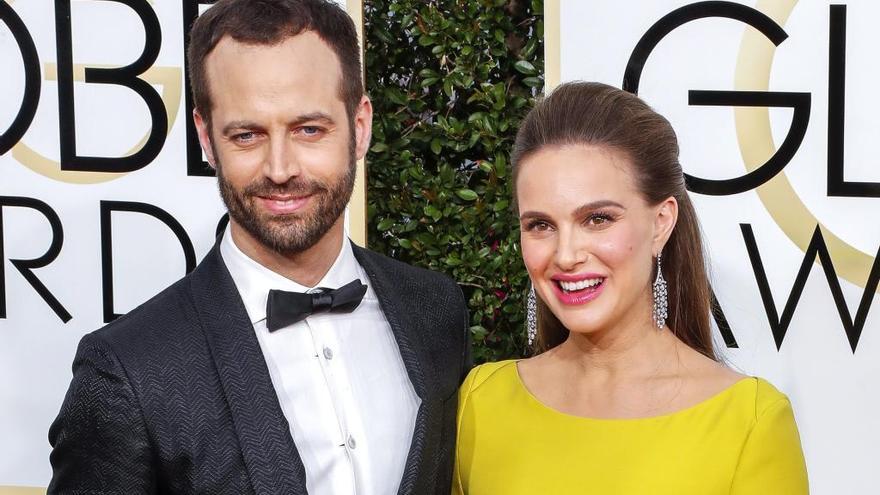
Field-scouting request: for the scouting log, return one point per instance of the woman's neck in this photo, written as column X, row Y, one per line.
column 620, row 354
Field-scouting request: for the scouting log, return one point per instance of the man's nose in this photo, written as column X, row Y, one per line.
column 282, row 163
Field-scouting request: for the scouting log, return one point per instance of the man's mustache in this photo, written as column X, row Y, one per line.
column 292, row 187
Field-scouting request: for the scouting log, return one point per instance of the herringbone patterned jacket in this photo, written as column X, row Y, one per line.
column 175, row 396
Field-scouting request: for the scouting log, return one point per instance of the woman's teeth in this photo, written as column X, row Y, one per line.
column 580, row 285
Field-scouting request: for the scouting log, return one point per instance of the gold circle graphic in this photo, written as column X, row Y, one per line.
column 170, row 78
column 753, row 67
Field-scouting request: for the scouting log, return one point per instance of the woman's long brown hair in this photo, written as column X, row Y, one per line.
column 600, row 115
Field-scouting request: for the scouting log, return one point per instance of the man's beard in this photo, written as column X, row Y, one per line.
column 292, row 233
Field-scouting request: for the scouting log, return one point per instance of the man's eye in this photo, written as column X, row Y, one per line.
column 244, row 137
column 310, row 130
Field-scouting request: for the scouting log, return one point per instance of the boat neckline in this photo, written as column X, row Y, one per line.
column 699, row 405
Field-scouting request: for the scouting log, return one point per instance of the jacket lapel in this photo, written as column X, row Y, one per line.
column 421, row 369
column 273, row 464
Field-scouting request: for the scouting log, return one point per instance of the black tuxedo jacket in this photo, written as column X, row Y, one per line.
column 175, row 396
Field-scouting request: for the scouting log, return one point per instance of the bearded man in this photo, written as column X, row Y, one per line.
column 290, row 361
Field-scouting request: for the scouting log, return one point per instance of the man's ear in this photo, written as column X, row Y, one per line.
column 363, row 127
column 205, row 138
column 665, row 217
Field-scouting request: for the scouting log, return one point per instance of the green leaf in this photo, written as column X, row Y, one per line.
column 501, row 166
column 385, row 224
column 433, row 212
column 447, row 87
column 498, row 91
column 467, row 194
column 446, row 173
column 397, row 96
column 533, row 82
column 436, row 146
column 525, row 67
column 453, row 261
column 478, row 332
column 529, row 49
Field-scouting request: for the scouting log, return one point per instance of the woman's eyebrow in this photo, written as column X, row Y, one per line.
column 595, row 205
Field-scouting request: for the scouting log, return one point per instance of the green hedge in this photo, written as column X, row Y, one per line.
column 450, row 82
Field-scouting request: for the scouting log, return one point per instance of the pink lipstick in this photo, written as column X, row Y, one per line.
column 575, row 289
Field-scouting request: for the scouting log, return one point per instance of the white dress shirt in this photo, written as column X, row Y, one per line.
column 339, row 377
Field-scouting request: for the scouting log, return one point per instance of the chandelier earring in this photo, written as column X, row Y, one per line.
column 661, row 303
column 531, row 315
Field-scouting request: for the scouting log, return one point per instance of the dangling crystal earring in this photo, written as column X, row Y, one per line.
column 660, row 303
column 531, row 315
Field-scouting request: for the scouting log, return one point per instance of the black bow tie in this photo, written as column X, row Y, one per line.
column 285, row 308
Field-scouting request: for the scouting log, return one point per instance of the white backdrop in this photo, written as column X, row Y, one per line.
column 833, row 387
column 836, row 403
column 36, row 344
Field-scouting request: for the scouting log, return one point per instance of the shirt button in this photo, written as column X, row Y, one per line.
column 328, row 353
column 351, row 443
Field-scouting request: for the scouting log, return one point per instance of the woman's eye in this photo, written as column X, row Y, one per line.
column 538, row 225
column 598, row 219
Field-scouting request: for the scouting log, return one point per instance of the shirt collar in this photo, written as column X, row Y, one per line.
column 254, row 280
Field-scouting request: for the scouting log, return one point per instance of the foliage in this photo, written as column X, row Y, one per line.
column 450, row 82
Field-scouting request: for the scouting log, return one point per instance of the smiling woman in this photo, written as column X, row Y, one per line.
column 594, row 141
column 560, row 230
column 625, row 394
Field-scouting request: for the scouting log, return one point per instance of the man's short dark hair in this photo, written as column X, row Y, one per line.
column 269, row 22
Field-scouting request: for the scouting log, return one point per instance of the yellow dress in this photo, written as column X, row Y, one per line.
column 741, row 441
